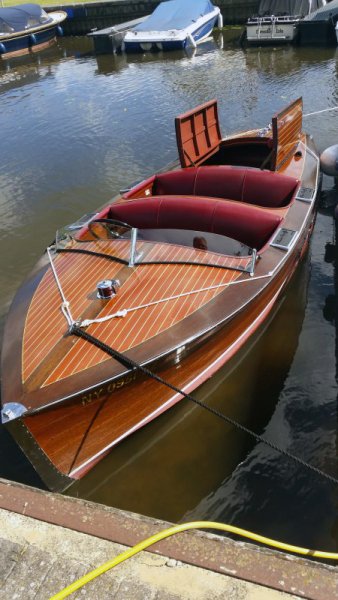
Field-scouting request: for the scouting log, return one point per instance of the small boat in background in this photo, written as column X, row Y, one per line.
column 277, row 21
column 175, row 274
column 28, row 28
column 174, row 25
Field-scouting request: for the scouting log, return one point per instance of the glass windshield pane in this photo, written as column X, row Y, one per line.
column 5, row 27
column 32, row 22
column 197, row 240
column 153, row 246
column 44, row 17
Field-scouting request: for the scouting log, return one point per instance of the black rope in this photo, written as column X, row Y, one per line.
column 131, row 364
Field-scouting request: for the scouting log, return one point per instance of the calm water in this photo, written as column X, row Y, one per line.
column 76, row 128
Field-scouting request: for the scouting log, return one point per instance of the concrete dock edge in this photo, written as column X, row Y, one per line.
column 238, row 560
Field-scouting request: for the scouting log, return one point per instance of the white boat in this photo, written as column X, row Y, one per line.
column 277, row 21
column 174, row 25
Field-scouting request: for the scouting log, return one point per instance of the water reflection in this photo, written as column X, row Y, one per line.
column 284, row 60
column 111, row 63
column 14, row 466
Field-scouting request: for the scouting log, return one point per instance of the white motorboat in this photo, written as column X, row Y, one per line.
column 277, row 21
column 174, row 25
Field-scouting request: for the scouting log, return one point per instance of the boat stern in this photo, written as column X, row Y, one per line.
column 267, row 30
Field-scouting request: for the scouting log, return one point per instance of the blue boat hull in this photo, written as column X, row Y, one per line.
column 198, row 35
column 28, row 42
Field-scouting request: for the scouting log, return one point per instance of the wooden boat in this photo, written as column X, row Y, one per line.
column 174, row 25
column 27, row 28
column 176, row 273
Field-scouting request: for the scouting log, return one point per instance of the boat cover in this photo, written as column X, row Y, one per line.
column 280, row 8
column 175, row 14
column 19, row 18
column 325, row 13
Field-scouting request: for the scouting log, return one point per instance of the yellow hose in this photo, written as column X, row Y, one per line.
column 178, row 529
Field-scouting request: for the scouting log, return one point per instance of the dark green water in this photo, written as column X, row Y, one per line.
column 74, row 130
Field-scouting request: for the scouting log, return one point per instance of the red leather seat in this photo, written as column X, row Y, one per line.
column 250, row 225
column 252, row 186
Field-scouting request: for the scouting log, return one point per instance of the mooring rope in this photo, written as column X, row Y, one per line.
column 318, row 112
column 75, row 329
column 125, row 311
column 65, row 306
column 132, row 365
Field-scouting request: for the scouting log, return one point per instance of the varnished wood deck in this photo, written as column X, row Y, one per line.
column 146, row 284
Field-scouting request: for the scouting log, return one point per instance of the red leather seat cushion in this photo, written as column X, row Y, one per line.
column 248, row 224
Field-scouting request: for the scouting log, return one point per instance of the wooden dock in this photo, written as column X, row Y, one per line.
column 48, row 541
column 110, row 39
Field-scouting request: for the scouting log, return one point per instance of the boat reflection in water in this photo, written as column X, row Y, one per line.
column 176, row 462
column 285, row 60
column 27, row 69
column 111, row 63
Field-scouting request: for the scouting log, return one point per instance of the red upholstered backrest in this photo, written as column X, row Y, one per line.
column 175, row 182
column 220, row 181
column 253, row 186
column 248, row 224
column 268, row 188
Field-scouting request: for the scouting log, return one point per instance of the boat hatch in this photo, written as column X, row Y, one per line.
column 283, row 238
column 286, row 132
column 198, row 134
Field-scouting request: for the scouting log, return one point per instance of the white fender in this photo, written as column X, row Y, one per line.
column 191, row 40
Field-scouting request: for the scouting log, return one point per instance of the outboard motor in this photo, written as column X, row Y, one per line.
column 329, row 161
column 329, row 166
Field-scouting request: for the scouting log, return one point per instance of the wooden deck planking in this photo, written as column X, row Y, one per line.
column 45, row 307
column 127, row 332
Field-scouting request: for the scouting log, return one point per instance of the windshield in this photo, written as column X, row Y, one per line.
column 118, row 241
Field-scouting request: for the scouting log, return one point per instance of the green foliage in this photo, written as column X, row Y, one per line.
column 46, row 3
